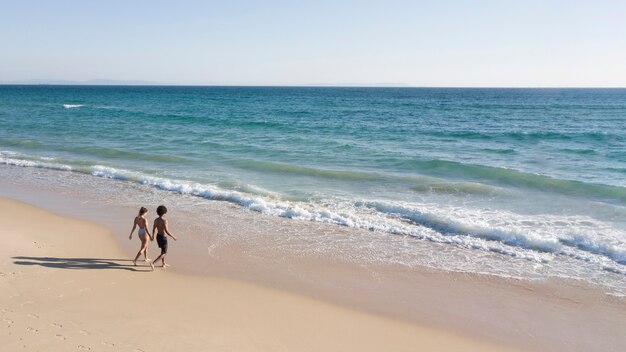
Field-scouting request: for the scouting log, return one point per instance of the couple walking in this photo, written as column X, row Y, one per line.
column 160, row 225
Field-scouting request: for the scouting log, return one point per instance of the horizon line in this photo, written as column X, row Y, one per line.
column 122, row 84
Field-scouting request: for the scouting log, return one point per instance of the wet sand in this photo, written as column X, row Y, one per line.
column 67, row 286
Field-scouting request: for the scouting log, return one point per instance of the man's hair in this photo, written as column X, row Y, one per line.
column 161, row 210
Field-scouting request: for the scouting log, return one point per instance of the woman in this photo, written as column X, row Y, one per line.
column 143, row 234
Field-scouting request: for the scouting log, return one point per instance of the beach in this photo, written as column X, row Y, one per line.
column 67, row 286
column 71, row 284
column 333, row 176
column 492, row 216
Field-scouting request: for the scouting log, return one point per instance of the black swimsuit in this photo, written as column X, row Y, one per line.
column 162, row 242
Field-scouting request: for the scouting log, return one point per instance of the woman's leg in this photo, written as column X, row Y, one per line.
column 144, row 245
column 145, row 250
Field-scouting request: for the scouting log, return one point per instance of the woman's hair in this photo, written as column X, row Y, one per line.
column 161, row 210
column 142, row 211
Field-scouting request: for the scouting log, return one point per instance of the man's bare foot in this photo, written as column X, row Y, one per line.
column 165, row 265
column 135, row 262
column 152, row 266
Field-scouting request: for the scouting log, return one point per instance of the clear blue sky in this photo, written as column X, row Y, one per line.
column 418, row 43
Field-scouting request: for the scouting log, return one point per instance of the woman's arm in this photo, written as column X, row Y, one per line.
column 133, row 230
column 145, row 226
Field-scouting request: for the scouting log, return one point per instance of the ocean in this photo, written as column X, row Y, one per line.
column 525, row 183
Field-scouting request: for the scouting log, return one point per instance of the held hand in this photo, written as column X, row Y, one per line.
column 175, row 239
column 152, row 238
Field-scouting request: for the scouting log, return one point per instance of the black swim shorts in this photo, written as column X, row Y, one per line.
column 162, row 242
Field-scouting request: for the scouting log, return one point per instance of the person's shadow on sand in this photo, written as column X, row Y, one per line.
column 77, row 263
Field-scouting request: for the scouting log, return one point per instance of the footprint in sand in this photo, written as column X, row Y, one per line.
column 27, row 303
column 84, row 289
column 8, row 321
column 60, row 337
column 84, row 332
column 31, row 329
column 34, row 316
column 56, row 325
column 16, row 273
column 109, row 344
column 84, row 348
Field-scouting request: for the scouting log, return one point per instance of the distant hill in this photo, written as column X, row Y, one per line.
column 112, row 82
column 91, row 82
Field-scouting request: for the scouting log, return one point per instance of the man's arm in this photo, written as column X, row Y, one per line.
column 153, row 231
column 167, row 230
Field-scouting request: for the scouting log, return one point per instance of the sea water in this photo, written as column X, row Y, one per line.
column 522, row 182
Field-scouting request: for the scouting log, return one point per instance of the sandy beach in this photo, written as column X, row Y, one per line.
column 73, row 268
column 67, row 286
column 337, row 176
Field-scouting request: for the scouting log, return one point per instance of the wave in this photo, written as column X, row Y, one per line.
column 539, row 136
column 250, row 189
column 348, row 175
column 268, row 166
column 72, row 106
column 450, row 169
column 7, row 159
column 500, row 232
column 531, row 137
column 550, row 234
column 113, row 153
column 22, row 143
column 447, row 226
column 312, row 212
column 458, row 188
column 614, row 251
column 505, row 151
column 578, row 151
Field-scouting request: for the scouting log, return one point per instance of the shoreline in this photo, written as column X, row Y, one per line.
column 532, row 315
column 87, row 301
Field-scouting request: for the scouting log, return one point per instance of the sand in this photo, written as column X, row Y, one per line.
column 66, row 285
column 541, row 315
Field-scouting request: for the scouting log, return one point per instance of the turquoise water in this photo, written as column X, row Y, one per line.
column 536, row 174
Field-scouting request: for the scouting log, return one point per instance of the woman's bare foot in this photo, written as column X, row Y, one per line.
column 147, row 260
column 152, row 266
column 135, row 262
column 165, row 265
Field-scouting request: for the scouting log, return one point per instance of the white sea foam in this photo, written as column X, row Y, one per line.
column 8, row 158
column 72, row 106
column 537, row 238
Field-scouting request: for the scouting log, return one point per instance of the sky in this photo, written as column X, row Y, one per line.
column 445, row 43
